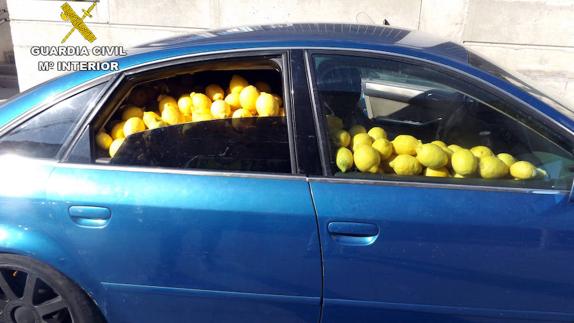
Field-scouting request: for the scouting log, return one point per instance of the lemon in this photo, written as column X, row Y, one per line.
column 463, row 162
column 214, row 92
column 481, row 151
column 492, row 167
column 431, row 155
column 454, row 148
column 439, row 143
column 132, row 111
column 377, row 133
column 356, row 129
column 115, row 145
column 341, row 138
column 185, row 105
column 385, row 164
column 164, row 100
column 133, row 125
column 171, row 115
column 384, row 147
column 263, row 87
column 344, row 159
column 361, row 139
column 440, row 172
column 266, row 105
column 237, row 84
column 460, row 176
column 334, row 123
column 406, row 145
column 157, row 124
column 523, row 170
column 248, row 98
column 367, row 159
column 278, row 99
column 103, row 140
column 233, row 100
column 185, row 118
column 220, row 109
column 281, row 112
column 202, row 116
column 241, row 113
column 508, row 159
column 201, row 103
column 406, row 165
column 118, row 130
column 149, row 117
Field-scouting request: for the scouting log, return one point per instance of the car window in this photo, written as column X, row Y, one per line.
column 392, row 119
column 42, row 135
column 224, row 115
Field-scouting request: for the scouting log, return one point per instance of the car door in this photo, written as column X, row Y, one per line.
column 426, row 249
column 196, row 222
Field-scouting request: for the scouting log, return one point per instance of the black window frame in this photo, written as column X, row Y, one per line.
column 125, row 81
column 499, row 94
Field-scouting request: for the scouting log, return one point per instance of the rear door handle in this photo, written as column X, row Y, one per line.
column 90, row 216
column 353, row 233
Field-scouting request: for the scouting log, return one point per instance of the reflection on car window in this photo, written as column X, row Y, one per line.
column 210, row 116
column 388, row 118
column 43, row 135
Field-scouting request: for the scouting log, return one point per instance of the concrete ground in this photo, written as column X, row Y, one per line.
column 6, row 93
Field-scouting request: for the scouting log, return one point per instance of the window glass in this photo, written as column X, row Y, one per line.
column 42, row 136
column 225, row 116
column 386, row 119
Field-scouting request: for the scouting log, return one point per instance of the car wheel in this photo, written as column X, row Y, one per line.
column 32, row 292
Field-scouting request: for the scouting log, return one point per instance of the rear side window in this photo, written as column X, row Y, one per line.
column 42, row 136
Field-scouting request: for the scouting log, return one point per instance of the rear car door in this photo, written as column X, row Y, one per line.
column 195, row 222
column 426, row 249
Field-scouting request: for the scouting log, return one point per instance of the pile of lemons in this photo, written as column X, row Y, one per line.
column 241, row 100
column 372, row 152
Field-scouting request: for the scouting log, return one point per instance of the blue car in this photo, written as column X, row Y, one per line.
column 280, row 174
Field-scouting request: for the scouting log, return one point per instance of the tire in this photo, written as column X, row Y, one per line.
column 32, row 292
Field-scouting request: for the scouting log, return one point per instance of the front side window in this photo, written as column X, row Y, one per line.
column 42, row 135
column 393, row 119
column 225, row 115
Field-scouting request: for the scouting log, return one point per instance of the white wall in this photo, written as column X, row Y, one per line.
column 532, row 36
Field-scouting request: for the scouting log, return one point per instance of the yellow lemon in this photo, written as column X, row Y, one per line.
column 385, row 164
column 439, row 143
column 464, row 162
column 103, row 140
column 441, row 172
column 384, row 147
column 523, row 170
column 361, row 139
column 481, row 151
column 220, row 109
column 164, row 100
column 133, row 125
column 171, row 115
column 278, row 99
column 334, row 123
column 454, row 148
column 214, row 92
column 248, row 98
column 460, row 176
column 406, row 145
column 431, row 155
column 149, row 117
column 115, row 145
column 281, row 112
column 341, row 138
column 241, row 113
column 202, row 116
column 508, row 159
column 266, row 105
column 406, row 165
column 185, row 118
column 344, row 159
column 233, row 100
column 367, row 159
column 118, row 130
column 201, row 103
column 237, row 84
column 491, row 167
column 356, row 129
column 157, row 124
column 185, row 104
column 132, row 111
column 377, row 133
column 263, row 87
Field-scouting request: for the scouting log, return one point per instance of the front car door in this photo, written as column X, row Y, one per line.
column 419, row 248
column 196, row 222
